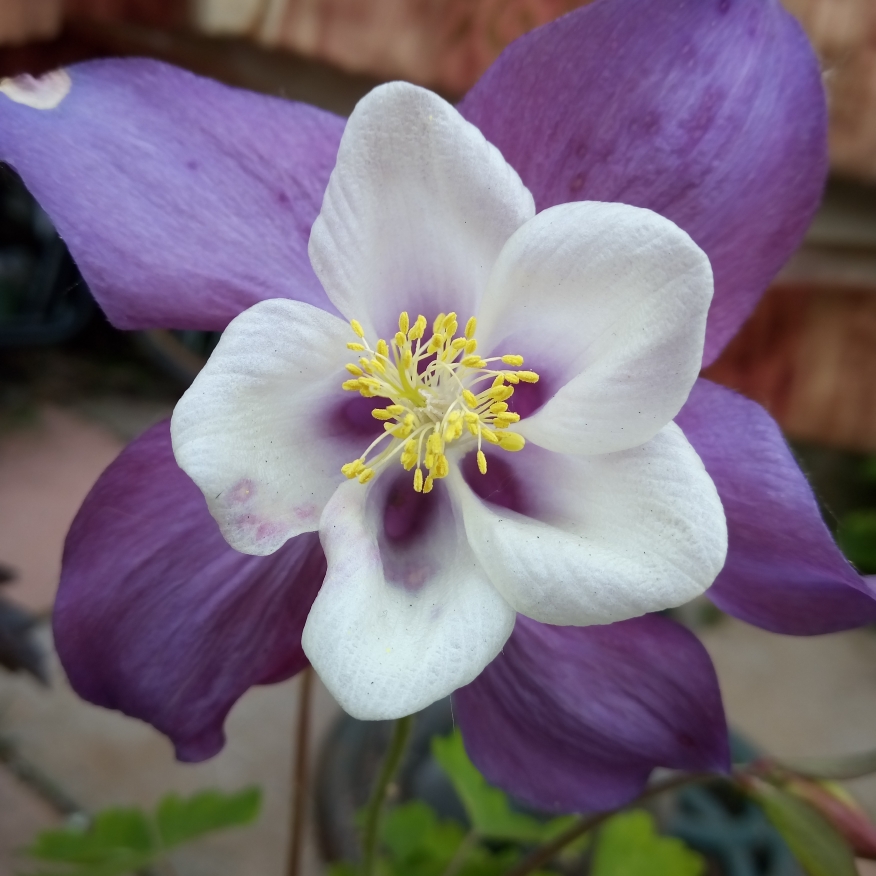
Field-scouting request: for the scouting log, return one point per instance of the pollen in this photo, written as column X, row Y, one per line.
column 439, row 396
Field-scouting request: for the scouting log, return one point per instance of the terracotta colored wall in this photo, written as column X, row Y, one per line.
column 447, row 44
column 22, row 21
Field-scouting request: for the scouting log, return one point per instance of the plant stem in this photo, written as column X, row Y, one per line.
column 545, row 853
column 299, row 774
column 400, row 732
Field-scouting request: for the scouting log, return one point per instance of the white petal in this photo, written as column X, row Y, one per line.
column 255, row 430
column 610, row 537
column 608, row 302
column 416, row 211
column 399, row 624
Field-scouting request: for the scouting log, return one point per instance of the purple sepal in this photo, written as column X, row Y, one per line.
column 575, row 718
column 710, row 112
column 783, row 571
column 157, row 617
column 183, row 201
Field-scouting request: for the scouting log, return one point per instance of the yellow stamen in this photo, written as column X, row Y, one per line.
column 511, row 441
column 438, row 396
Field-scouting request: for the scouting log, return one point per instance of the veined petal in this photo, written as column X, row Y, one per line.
column 406, row 614
column 574, row 719
column 783, row 572
column 608, row 304
column 183, row 201
column 255, row 430
column 157, row 617
column 709, row 112
column 415, row 212
column 603, row 538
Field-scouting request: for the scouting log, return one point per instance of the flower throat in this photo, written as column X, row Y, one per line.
column 439, row 391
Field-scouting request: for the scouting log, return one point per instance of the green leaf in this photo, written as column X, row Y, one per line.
column 487, row 807
column 413, row 830
column 628, row 845
column 856, row 536
column 818, row 847
column 114, row 835
column 342, row 869
column 121, row 841
column 181, row 820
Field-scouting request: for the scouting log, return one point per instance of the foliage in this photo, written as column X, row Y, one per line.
column 816, row 844
column 857, row 538
column 416, row 842
column 628, row 845
column 124, row 840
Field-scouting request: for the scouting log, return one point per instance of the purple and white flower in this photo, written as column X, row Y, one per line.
column 185, row 203
column 614, row 515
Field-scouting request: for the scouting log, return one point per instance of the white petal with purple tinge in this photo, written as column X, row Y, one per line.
column 609, row 302
column 399, row 622
column 416, row 211
column 607, row 538
column 250, row 431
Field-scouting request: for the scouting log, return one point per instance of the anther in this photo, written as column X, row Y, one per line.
column 513, row 360
column 404, row 321
column 528, row 376
column 482, row 462
column 418, row 329
column 355, row 370
column 470, row 328
column 418, row 481
column 357, row 328
column 511, row 441
column 473, row 362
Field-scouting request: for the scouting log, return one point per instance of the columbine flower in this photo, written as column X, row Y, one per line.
column 185, row 202
column 613, row 515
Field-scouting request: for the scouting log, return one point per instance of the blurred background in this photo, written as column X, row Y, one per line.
column 73, row 391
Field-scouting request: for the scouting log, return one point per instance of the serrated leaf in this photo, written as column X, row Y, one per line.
column 181, row 820
column 818, row 847
column 414, row 830
column 628, row 845
column 114, row 835
column 487, row 807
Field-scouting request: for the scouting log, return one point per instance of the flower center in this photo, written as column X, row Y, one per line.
column 439, row 391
